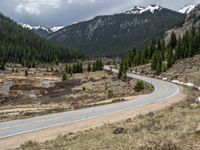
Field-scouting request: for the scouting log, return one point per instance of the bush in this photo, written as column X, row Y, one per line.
column 110, row 94
column 84, row 88
column 139, row 86
column 26, row 73
column 64, row 77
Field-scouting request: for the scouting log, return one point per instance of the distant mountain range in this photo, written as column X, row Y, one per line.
column 42, row 31
column 140, row 9
column 113, row 35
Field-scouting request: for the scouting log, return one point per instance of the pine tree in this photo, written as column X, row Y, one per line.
column 154, row 62
column 94, row 67
column 159, row 68
column 26, row 72
column 89, row 67
column 66, row 68
column 2, row 65
column 173, row 40
column 64, row 77
column 120, row 71
column 170, row 59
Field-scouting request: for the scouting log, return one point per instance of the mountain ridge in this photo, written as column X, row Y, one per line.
column 40, row 30
column 187, row 9
column 20, row 45
column 113, row 35
column 141, row 9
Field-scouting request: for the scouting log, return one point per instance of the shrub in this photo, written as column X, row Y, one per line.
column 84, row 88
column 139, row 86
column 110, row 94
column 64, row 77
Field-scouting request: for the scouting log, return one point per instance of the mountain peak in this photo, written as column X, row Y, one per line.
column 52, row 29
column 140, row 9
column 187, row 9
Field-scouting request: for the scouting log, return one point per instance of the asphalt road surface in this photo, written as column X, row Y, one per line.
column 163, row 91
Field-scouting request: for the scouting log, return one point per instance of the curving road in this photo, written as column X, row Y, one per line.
column 163, row 91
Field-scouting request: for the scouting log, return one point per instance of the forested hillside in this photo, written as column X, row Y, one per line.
column 116, row 34
column 19, row 45
column 162, row 56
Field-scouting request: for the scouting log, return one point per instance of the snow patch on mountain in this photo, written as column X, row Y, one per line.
column 187, row 9
column 140, row 9
column 54, row 29
column 49, row 30
column 27, row 26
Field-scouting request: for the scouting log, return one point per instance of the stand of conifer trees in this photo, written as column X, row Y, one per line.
column 19, row 45
column 161, row 55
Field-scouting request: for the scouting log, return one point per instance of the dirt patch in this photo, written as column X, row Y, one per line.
column 187, row 70
column 42, row 89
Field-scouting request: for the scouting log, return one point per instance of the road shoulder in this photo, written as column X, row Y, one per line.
column 49, row 134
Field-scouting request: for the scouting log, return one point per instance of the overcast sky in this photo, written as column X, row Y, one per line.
column 64, row 12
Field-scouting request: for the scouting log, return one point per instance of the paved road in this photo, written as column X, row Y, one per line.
column 163, row 91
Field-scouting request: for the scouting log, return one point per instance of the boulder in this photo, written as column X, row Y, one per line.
column 198, row 129
column 119, row 130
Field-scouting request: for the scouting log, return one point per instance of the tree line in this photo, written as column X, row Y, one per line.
column 19, row 45
column 162, row 56
column 77, row 67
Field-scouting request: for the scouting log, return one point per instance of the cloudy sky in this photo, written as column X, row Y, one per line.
column 64, row 12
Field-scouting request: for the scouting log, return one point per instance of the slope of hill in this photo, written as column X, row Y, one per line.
column 116, row 34
column 186, row 70
column 192, row 19
column 20, row 45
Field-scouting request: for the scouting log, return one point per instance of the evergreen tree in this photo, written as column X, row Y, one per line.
column 94, row 67
column 120, row 71
column 89, row 67
column 170, row 59
column 173, row 40
column 64, row 77
column 154, row 62
column 26, row 72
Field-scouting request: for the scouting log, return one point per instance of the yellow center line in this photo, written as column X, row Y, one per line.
column 9, row 127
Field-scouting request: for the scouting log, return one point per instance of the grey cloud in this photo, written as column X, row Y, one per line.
column 65, row 12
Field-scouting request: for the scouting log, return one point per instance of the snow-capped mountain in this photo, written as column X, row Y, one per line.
column 140, row 9
column 187, row 9
column 42, row 31
column 27, row 26
column 52, row 29
column 55, row 29
column 110, row 35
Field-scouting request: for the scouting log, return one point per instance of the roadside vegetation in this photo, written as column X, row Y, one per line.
column 175, row 128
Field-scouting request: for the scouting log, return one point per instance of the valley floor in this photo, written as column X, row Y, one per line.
column 177, row 127
column 43, row 92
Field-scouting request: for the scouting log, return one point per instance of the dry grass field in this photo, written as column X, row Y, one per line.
column 43, row 91
column 175, row 128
